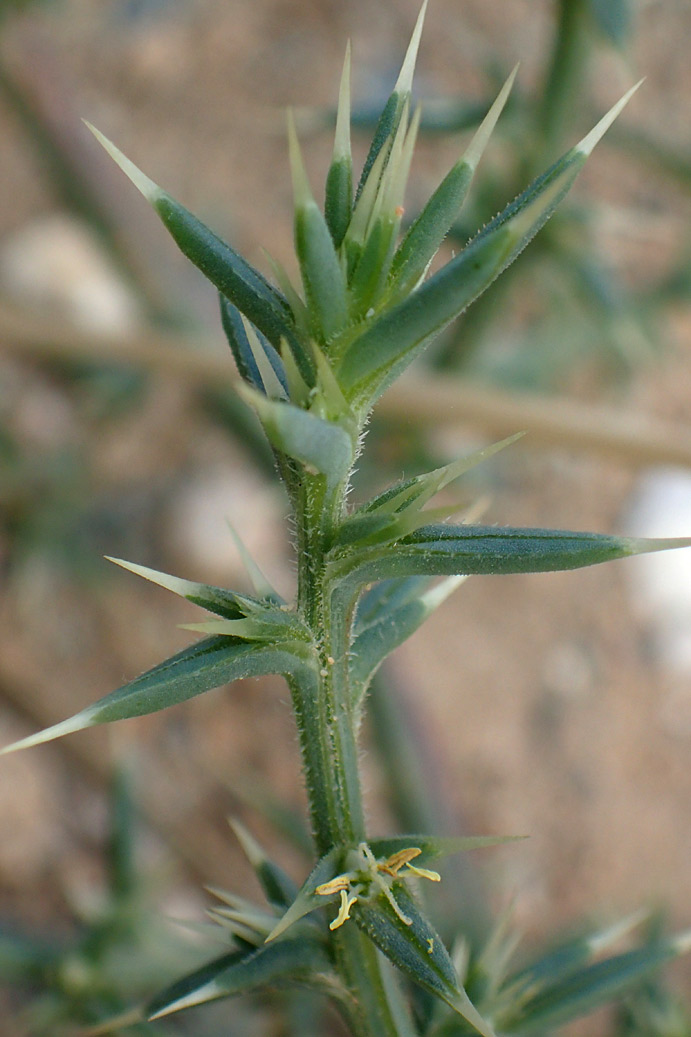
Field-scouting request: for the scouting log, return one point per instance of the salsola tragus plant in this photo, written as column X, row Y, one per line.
column 313, row 362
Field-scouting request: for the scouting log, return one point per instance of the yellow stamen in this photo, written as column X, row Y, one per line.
column 396, row 861
column 336, row 885
column 344, row 910
column 425, row 873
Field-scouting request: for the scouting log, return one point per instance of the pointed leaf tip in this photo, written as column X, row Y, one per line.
column 341, row 148
column 65, row 727
column 141, row 181
column 474, row 151
column 591, row 139
column 404, row 82
column 301, row 189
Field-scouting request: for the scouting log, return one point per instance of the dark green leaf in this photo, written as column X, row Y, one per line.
column 490, row 550
column 587, row 989
column 286, row 961
column 207, row 664
column 416, row 949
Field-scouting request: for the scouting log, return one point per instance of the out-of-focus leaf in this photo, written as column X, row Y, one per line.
column 287, row 961
column 614, row 19
column 585, row 990
column 279, row 888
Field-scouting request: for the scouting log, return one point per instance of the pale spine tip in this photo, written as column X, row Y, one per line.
column 404, row 83
column 302, row 192
column 184, row 588
column 474, row 151
column 591, row 139
column 49, row 734
column 151, row 191
column 342, row 136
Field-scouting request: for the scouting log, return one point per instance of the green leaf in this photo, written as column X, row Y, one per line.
column 391, row 115
column 431, row 226
column 416, row 949
column 234, row 277
column 320, row 445
column 490, row 550
column 283, row 962
column 338, row 204
column 374, row 358
column 207, row 664
column 307, row 899
column 278, row 887
column 613, row 18
column 392, row 626
column 436, row 847
column 585, row 990
column 256, row 359
column 418, row 490
column 322, row 274
column 218, row 600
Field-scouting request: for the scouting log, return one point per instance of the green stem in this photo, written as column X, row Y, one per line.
column 566, row 72
column 328, row 724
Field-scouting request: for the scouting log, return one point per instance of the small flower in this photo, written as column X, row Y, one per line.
column 370, row 877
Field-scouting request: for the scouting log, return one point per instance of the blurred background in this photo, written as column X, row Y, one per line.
column 557, row 706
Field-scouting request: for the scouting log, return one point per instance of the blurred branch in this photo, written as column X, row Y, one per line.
column 423, row 399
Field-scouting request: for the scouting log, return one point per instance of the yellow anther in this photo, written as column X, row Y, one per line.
column 430, row 941
column 396, row 861
column 344, row 910
column 425, row 873
column 337, row 885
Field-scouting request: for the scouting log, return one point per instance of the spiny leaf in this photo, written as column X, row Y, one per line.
column 429, row 229
column 587, row 989
column 308, row 899
column 417, row 950
column 207, row 664
column 214, row 599
column 279, row 888
column 419, row 489
column 234, row 277
column 389, row 118
column 492, row 550
column 260, row 584
column 322, row 275
column 338, row 204
column 374, row 358
column 283, row 962
column 391, row 628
